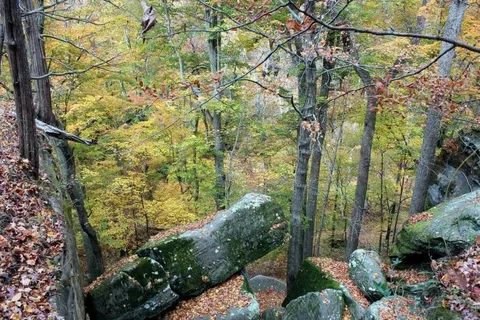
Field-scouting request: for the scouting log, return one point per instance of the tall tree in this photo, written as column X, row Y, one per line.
column 43, row 100
column 307, row 88
column 17, row 56
column 38, row 65
column 321, row 121
column 434, row 116
column 367, row 141
column 214, row 48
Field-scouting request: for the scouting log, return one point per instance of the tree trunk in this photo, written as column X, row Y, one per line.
column 17, row 56
column 311, row 208
column 382, row 213
column 307, row 94
column 364, row 163
column 64, row 152
column 332, row 169
column 38, row 65
column 434, row 116
column 213, row 47
column 2, row 38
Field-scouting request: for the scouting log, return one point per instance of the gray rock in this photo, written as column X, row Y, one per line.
column 453, row 228
column 277, row 313
column 325, row 305
column 366, row 271
column 139, row 290
column 392, row 307
column 262, row 283
column 201, row 258
column 356, row 310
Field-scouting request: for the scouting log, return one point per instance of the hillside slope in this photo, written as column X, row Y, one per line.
column 30, row 236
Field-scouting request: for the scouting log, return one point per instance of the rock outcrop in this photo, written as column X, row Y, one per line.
column 185, row 265
column 448, row 229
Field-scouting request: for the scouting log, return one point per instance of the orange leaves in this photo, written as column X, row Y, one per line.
column 294, row 26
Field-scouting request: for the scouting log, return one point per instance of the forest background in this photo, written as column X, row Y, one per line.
column 170, row 122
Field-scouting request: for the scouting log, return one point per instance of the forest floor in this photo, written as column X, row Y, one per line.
column 30, row 233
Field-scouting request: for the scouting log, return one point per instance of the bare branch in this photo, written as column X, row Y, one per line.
column 70, row 72
column 389, row 33
column 70, row 42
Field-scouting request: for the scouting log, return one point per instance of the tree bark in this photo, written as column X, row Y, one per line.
column 434, row 116
column 38, row 65
column 16, row 49
column 213, row 47
column 2, row 40
column 65, row 154
column 307, row 93
column 364, row 162
column 311, row 209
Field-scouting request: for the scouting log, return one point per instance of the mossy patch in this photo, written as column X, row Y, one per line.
column 176, row 254
column 310, row 278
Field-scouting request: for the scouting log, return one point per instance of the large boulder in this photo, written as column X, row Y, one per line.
column 310, row 278
column 365, row 269
column 138, row 290
column 457, row 169
column 393, row 307
column 325, row 305
column 201, row 258
column 448, row 229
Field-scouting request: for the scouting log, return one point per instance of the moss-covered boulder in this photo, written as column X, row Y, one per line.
column 310, row 278
column 201, row 258
column 138, row 290
column 365, row 269
column 393, row 307
column 325, row 305
column 451, row 228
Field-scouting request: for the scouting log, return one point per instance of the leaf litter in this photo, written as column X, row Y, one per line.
column 30, row 234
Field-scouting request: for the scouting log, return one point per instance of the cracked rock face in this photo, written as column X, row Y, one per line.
column 187, row 264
